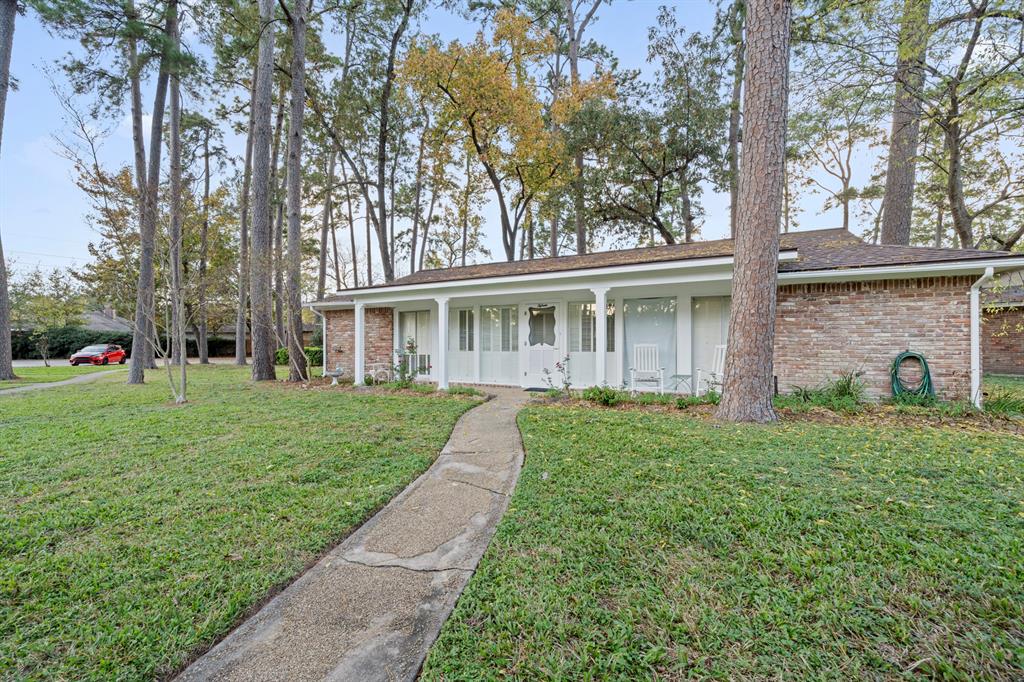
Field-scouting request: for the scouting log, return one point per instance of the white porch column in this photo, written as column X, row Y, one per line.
column 476, row 343
column 441, row 361
column 601, row 334
column 358, row 352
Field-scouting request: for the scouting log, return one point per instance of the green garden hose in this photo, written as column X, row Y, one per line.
column 923, row 387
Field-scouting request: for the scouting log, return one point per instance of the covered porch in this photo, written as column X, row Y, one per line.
column 593, row 335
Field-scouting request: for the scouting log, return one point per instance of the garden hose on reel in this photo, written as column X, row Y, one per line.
column 922, row 388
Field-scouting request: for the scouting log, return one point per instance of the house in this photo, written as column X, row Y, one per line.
column 106, row 320
column 1002, row 343
column 842, row 305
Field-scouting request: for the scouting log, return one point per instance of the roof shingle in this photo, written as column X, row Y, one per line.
column 816, row 250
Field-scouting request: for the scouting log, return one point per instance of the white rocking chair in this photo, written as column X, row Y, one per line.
column 711, row 379
column 646, row 368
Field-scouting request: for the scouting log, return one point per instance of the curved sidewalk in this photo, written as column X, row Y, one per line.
column 92, row 376
column 371, row 608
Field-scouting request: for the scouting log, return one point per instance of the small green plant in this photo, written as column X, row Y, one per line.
column 914, row 400
column 565, row 380
column 655, row 399
column 553, row 394
column 464, row 390
column 604, row 395
column 842, row 394
column 709, row 398
column 1004, row 403
column 847, row 387
column 407, row 366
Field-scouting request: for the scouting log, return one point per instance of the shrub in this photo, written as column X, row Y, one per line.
column 655, row 399
column 604, row 395
column 1004, row 403
column 847, row 387
column 843, row 394
column 64, row 341
column 709, row 398
column 463, row 390
column 314, row 356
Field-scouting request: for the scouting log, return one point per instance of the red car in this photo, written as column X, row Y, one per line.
column 99, row 355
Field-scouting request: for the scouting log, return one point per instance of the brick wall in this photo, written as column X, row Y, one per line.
column 340, row 341
column 824, row 329
column 1002, row 341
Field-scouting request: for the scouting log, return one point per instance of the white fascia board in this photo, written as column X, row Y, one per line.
column 702, row 270
column 940, row 269
column 566, row 279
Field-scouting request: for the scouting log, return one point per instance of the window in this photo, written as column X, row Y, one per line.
column 414, row 325
column 499, row 329
column 583, row 328
column 610, row 327
column 542, row 325
column 460, row 335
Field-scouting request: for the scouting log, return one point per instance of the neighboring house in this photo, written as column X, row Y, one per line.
column 106, row 320
column 842, row 305
column 227, row 332
column 1002, row 345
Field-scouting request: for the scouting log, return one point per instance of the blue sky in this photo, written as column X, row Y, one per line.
column 42, row 212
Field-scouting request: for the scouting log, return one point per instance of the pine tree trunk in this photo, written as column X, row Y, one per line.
column 277, row 202
column 174, row 234
column 204, row 248
column 382, row 148
column 325, row 230
column 8, row 13
column 554, row 234
column 748, row 387
column 143, row 336
column 735, row 112
column 241, row 326
column 576, row 27
column 351, row 234
column 180, row 355
column 297, row 370
column 279, row 331
column 261, row 258
column 906, row 121
column 369, row 252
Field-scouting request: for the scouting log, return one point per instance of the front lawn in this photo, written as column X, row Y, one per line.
column 133, row 533
column 40, row 375
column 641, row 545
column 1002, row 383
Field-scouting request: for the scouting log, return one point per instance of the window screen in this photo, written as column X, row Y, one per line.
column 498, row 328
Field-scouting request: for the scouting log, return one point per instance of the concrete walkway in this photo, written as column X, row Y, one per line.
column 372, row 607
column 81, row 379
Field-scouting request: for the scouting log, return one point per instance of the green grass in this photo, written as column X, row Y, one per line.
column 640, row 545
column 133, row 533
column 1004, row 396
column 40, row 375
column 1013, row 385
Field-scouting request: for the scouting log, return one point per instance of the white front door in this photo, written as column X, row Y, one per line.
column 540, row 350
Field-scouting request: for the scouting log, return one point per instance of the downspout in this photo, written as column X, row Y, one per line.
column 976, row 395
column 323, row 339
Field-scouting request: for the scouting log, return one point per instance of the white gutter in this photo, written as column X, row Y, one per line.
column 976, row 394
